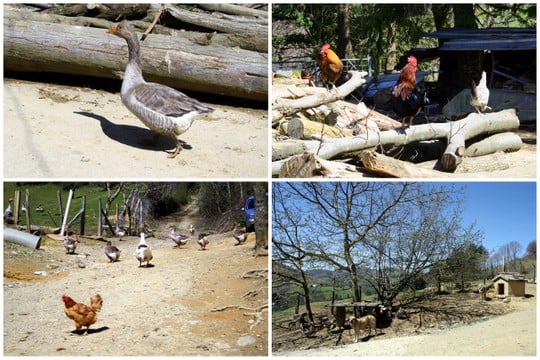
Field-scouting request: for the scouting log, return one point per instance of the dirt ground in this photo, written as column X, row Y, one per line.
column 56, row 131
column 451, row 325
column 190, row 303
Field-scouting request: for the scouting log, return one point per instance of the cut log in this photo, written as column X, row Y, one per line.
column 506, row 142
column 471, row 126
column 219, row 23
column 389, row 167
column 235, row 10
column 306, row 129
column 309, row 165
column 287, row 107
column 57, row 48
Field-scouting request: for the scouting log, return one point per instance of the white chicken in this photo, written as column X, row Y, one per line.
column 480, row 95
column 143, row 252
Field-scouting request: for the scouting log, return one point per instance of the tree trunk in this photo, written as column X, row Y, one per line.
column 469, row 127
column 31, row 46
column 261, row 219
column 344, row 46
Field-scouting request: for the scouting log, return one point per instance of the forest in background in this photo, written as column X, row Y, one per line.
column 384, row 32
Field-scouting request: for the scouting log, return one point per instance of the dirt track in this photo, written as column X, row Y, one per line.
column 167, row 309
column 55, row 131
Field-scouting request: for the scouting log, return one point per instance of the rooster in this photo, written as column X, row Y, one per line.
column 81, row 314
column 330, row 65
column 480, row 95
column 407, row 99
column 143, row 252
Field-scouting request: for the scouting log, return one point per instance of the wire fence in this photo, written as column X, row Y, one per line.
column 308, row 67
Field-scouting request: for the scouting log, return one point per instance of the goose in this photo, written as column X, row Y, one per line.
column 164, row 110
column 112, row 252
column 120, row 232
column 8, row 213
column 179, row 239
column 71, row 243
column 203, row 240
column 239, row 235
column 143, row 252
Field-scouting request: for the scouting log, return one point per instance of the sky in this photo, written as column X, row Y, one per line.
column 504, row 211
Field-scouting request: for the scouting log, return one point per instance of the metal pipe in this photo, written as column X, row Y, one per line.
column 22, row 238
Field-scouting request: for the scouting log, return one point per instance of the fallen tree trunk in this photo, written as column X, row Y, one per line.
column 42, row 47
column 461, row 131
column 475, row 125
column 287, row 107
column 389, row 167
column 506, row 142
column 308, row 165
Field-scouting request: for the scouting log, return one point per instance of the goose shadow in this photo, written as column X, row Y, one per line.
column 133, row 136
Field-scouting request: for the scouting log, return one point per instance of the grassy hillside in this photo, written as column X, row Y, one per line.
column 45, row 195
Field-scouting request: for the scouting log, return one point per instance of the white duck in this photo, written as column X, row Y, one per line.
column 179, row 239
column 239, row 235
column 203, row 240
column 164, row 110
column 112, row 252
column 143, row 252
column 71, row 243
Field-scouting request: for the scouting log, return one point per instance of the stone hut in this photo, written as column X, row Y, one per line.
column 509, row 284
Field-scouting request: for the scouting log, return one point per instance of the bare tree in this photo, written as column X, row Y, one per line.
column 388, row 233
column 288, row 256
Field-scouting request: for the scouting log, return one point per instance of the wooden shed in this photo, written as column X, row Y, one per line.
column 509, row 284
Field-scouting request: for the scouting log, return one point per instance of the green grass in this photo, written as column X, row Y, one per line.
column 45, row 194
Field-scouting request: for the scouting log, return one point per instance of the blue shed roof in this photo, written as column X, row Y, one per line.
column 486, row 39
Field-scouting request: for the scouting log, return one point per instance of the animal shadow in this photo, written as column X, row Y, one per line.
column 90, row 331
column 133, row 136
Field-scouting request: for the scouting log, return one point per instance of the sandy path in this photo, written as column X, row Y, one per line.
column 513, row 334
column 161, row 310
column 54, row 131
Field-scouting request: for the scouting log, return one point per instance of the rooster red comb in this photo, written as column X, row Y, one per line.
column 325, row 47
column 412, row 60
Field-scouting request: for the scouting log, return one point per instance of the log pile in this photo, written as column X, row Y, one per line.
column 316, row 134
column 218, row 49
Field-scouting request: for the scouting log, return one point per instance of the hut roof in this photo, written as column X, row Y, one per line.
column 509, row 277
column 486, row 39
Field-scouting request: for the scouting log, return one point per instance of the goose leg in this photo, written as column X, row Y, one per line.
column 176, row 151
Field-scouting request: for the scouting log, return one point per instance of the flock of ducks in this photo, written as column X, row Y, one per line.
column 143, row 252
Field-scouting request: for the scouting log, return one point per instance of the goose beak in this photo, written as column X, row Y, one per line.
column 112, row 30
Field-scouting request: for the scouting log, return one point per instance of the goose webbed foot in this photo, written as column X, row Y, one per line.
column 179, row 146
